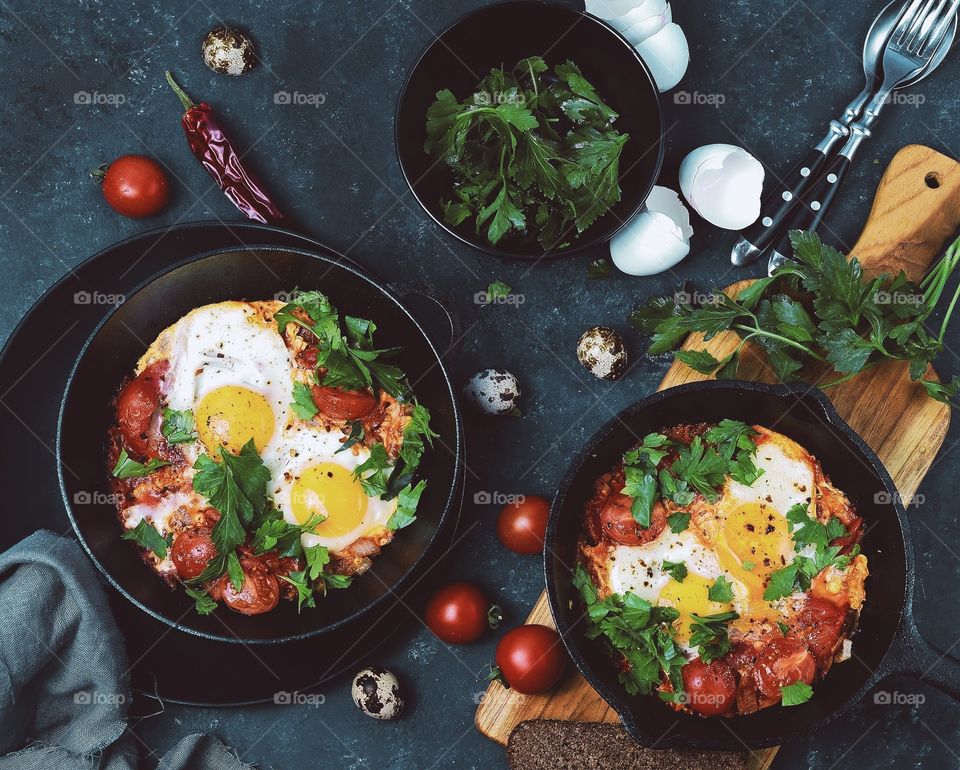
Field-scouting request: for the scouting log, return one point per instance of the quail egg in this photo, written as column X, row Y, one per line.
column 601, row 351
column 376, row 692
column 228, row 51
column 493, row 391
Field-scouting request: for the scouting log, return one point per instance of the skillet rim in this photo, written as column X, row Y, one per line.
column 448, row 518
column 618, row 701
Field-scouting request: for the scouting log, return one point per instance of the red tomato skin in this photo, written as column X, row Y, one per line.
column 710, row 687
column 340, row 404
column 531, row 658
column 191, row 552
column 457, row 613
column 819, row 624
column 136, row 186
column 521, row 526
column 784, row 660
column 618, row 524
column 137, row 403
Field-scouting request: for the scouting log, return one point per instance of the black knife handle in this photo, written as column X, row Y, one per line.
column 777, row 205
column 813, row 205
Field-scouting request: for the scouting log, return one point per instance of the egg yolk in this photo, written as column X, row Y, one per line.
column 332, row 491
column 232, row 415
column 755, row 542
column 690, row 598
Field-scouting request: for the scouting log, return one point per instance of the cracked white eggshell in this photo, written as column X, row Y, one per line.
column 609, row 9
column 641, row 22
column 655, row 239
column 723, row 184
column 667, row 54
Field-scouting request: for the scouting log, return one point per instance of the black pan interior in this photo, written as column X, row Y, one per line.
column 110, row 356
column 500, row 36
column 808, row 420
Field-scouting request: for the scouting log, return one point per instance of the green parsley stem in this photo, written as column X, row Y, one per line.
column 779, row 338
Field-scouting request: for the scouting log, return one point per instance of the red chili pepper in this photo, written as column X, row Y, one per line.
column 213, row 148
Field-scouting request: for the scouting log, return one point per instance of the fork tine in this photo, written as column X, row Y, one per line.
column 939, row 30
column 923, row 34
column 907, row 16
column 908, row 38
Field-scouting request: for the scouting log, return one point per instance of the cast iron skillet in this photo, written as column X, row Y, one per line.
column 887, row 641
column 110, row 355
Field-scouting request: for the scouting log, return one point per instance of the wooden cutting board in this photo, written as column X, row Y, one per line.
column 915, row 211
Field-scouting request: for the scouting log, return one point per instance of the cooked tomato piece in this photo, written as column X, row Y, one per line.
column 710, row 687
column 191, row 552
column 617, row 522
column 854, row 532
column 137, row 403
column 259, row 593
column 819, row 624
column 783, row 660
column 340, row 404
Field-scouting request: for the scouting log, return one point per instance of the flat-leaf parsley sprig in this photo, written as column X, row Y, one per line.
column 819, row 309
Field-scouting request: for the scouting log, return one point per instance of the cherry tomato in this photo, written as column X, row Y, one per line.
column 783, row 660
column 531, row 658
column 191, row 552
column 819, row 624
column 259, row 592
column 136, row 405
column 522, row 525
column 340, row 404
column 458, row 613
column 136, row 186
column 710, row 687
column 617, row 522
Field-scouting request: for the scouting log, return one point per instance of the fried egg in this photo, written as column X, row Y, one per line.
column 310, row 476
column 230, row 367
column 743, row 535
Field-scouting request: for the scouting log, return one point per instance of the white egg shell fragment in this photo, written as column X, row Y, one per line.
column 667, row 54
column 723, row 184
column 376, row 692
column 646, row 19
column 609, row 9
column 493, row 391
column 655, row 239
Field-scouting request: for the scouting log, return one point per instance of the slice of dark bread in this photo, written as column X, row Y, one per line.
column 551, row 744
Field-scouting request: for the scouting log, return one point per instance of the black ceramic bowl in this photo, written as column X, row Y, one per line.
column 111, row 354
column 501, row 35
column 887, row 641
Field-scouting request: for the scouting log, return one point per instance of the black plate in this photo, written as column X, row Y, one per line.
column 34, row 366
column 501, row 35
column 887, row 641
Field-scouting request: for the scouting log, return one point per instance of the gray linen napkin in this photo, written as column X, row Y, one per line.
column 64, row 689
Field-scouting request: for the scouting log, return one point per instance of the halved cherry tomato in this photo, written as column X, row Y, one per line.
column 819, row 624
column 617, row 522
column 710, row 688
column 340, row 404
column 531, row 658
column 521, row 525
column 191, row 552
column 138, row 402
column 259, row 593
column 136, row 186
column 458, row 613
column 783, row 660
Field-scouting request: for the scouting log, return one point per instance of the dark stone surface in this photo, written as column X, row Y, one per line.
column 783, row 69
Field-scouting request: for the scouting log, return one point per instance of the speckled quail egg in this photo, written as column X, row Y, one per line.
column 493, row 391
column 601, row 351
column 228, row 51
column 376, row 692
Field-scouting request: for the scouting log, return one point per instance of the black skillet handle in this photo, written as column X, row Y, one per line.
column 912, row 655
column 438, row 321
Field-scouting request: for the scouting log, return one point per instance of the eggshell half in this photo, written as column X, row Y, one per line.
column 655, row 239
column 609, row 9
column 645, row 20
column 723, row 184
column 667, row 55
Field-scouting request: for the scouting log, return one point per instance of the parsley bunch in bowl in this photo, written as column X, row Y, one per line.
column 533, row 151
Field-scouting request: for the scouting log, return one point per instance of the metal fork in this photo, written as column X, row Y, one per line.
column 912, row 45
